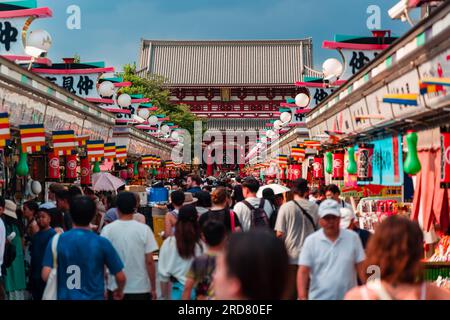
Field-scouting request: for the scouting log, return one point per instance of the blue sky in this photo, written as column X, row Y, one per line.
column 111, row 29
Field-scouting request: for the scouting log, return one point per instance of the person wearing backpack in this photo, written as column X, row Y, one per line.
column 296, row 220
column 253, row 212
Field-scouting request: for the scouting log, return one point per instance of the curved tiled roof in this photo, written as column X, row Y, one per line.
column 236, row 124
column 239, row 62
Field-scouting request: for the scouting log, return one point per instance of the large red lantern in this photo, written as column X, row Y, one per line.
column 364, row 162
column 141, row 172
column 318, row 167
column 85, row 171
column 445, row 157
column 338, row 165
column 130, row 170
column 296, row 171
column 53, row 166
column 71, row 167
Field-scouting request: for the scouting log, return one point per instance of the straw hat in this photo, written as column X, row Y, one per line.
column 189, row 198
column 10, row 209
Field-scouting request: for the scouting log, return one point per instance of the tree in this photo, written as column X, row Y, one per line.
column 152, row 88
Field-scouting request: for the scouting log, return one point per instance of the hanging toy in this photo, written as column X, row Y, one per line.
column 329, row 162
column 351, row 167
column 96, row 168
column 22, row 166
column 412, row 164
column 135, row 169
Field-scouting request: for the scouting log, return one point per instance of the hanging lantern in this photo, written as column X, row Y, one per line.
column 296, row 171
column 445, row 158
column 329, row 162
column 338, row 165
column 85, row 171
column 364, row 162
column 412, row 162
column 22, row 166
column 71, row 167
column 53, row 166
column 123, row 174
column 141, row 172
column 351, row 167
column 130, row 169
column 318, row 167
column 135, row 169
column 96, row 168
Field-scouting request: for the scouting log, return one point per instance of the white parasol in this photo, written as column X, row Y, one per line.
column 277, row 189
column 105, row 181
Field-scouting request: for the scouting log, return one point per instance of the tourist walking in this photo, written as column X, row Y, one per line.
column 82, row 256
column 63, row 204
column 331, row 258
column 135, row 244
column 193, row 183
column 348, row 221
column 333, row 192
column 396, row 249
column 297, row 219
column 176, row 199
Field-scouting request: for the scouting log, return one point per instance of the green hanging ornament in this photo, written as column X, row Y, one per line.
column 329, row 162
column 412, row 163
column 96, row 168
column 154, row 172
column 351, row 167
column 136, row 170
column 22, row 166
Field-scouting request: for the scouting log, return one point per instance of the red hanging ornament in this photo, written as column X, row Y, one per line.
column 53, row 166
column 364, row 162
column 141, row 172
column 85, row 171
column 445, row 157
column 318, row 167
column 338, row 165
column 71, row 167
column 123, row 174
column 130, row 170
column 296, row 171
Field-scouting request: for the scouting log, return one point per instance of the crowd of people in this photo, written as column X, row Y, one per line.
column 221, row 241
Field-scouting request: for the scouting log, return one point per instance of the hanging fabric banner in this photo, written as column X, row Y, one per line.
column 445, row 158
column 85, row 171
column 318, row 167
column 296, row 171
column 338, row 165
column 110, row 151
column 121, row 153
column 71, row 167
column 53, row 166
column 5, row 133
column 81, row 140
column 95, row 150
column 364, row 162
column 32, row 137
column 64, row 142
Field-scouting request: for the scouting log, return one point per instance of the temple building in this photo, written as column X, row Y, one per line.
column 235, row 85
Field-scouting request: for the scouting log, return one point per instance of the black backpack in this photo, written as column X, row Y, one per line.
column 259, row 217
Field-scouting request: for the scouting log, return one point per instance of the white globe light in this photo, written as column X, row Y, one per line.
column 124, row 100
column 106, row 89
column 39, row 39
column 153, row 120
column 165, row 129
column 270, row 134
column 278, row 125
column 332, row 67
column 36, row 187
column 175, row 135
column 302, row 100
column 144, row 113
column 285, row 117
column 263, row 140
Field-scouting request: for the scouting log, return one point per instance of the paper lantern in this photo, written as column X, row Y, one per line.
column 351, row 167
column 329, row 162
column 85, row 172
column 144, row 113
column 53, row 166
column 153, row 120
column 318, row 167
column 412, row 162
column 71, row 167
column 278, row 125
column 364, row 162
column 36, row 187
column 296, row 171
column 445, row 158
column 39, row 39
column 123, row 174
column 285, row 117
column 96, row 168
column 141, row 171
column 338, row 165
column 332, row 67
column 106, row 89
column 124, row 100
column 135, row 169
column 165, row 129
column 22, row 166
column 302, row 100
column 130, row 169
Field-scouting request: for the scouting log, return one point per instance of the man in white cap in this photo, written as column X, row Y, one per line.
column 331, row 258
column 348, row 221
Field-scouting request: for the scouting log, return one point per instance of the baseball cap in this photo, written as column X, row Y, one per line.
column 347, row 215
column 329, row 207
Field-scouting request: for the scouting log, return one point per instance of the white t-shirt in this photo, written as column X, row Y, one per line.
column 132, row 241
column 2, row 243
column 245, row 215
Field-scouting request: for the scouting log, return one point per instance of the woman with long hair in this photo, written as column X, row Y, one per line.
column 30, row 210
column 177, row 253
column 394, row 253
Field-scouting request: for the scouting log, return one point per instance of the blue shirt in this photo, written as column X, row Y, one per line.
column 332, row 264
column 194, row 190
column 38, row 246
column 82, row 255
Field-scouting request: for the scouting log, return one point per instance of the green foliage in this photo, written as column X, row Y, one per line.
column 152, row 88
column 77, row 58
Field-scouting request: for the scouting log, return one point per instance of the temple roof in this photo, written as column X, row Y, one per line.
column 236, row 124
column 237, row 62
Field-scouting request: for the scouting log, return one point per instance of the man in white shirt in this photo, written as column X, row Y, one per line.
column 2, row 247
column 331, row 258
column 296, row 220
column 333, row 192
column 250, row 187
column 135, row 244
